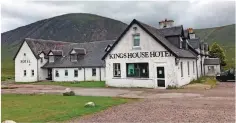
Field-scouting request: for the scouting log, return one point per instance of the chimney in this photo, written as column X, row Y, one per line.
column 191, row 33
column 166, row 23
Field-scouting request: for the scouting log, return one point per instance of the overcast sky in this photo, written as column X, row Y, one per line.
column 196, row 14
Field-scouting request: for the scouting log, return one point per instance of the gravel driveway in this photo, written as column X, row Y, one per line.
column 215, row 105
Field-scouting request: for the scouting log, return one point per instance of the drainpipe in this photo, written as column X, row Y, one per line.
column 37, row 70
column 84, row 74
column 100, row 73
column 197, row 68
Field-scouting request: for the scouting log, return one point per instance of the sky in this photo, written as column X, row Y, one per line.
column 193, row 13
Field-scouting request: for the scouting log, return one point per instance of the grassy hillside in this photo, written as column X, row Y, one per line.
column 88, row 27
column 76, row 27
column 225, row 36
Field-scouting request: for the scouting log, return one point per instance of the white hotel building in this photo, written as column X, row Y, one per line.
column 143, row 56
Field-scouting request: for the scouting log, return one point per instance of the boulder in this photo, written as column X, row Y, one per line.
column 8, row 121
column 89, row 104
column 67, row 90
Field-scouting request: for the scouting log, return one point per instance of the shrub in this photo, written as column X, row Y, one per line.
column 173, row 87
column 71, row 93
column 205, row 80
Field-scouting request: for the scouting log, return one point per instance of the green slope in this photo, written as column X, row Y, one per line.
column 225, row 36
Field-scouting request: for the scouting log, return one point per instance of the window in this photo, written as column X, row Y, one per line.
column 94, row 72
column 188, row 67
column 51, row 58
column 41, row 60
column 24, row 72
column 24, row 54
column 193, row 68
column 181, row 43
column 136, row 40
column 73, row 57
column 181, row 67
column 66, row 72
column 116, row 69
column 32, row 72
column 75, row 73
column 57, row 73
column 139, row 70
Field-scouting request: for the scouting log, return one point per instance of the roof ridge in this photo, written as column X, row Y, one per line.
column 56, row 41
column 32, row 39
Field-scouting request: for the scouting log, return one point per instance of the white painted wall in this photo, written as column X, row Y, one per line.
column 88, row 74
column 209, row 73
column 42, row 73
column 186, row 78
column 20, row 67
column 147, row 44
column 70, row 76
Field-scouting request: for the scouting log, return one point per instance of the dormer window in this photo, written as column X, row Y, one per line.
column 73, row 57
column 136, row 40
column 76, row 53
column 181, row 43
column 51, row 58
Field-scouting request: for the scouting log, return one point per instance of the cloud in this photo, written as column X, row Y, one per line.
column 196, row 14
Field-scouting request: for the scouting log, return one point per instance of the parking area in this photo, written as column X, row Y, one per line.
column 215, row 105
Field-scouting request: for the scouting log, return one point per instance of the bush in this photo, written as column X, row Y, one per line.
column 205, row 80
column 173, row 87
column 71, row 93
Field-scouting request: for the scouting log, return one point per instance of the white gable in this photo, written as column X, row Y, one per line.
column 50, row 54
column 147, row 43
column 73, row 52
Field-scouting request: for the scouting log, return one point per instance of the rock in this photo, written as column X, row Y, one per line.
column 89, row 104
column 8, row 121
column 67, row 90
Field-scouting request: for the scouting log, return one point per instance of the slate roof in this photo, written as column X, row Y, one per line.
column 211, row 61
column 159, row 37
column 57, row 52
column 179, row 52
column 79, row 51
column 170, row 31
column 92, row 58
column 195, row 43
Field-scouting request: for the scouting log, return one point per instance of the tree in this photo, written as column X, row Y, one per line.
column 217, row 52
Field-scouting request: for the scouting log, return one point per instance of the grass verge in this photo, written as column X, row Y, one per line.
column 86, row 84
column 51, row 108
column 205, row 80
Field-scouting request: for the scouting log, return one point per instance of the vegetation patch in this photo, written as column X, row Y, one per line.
column 84, row 84
column 205, row 80
column 52, row 108
column 173, row 87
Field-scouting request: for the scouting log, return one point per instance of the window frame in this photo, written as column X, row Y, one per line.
column 56, row 73
column 181, row 69
column 116, row 69
column 73, row 57
column 32, row 72
column 94, row 72
column 75, row 75
column 51, row 58
column 138, row 67
column 134, row 35
column 24, row 73
column 66, row 72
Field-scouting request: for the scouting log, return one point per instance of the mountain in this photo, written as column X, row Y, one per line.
column 81, row 27
column 75, row 27
column 225, row 36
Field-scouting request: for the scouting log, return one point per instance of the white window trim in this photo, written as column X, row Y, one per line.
column 135, row 47
column 115, row 68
